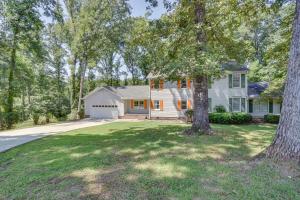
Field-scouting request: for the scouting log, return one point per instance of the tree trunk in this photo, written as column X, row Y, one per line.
column 73, row 83
column 10, row 96
column 200, row 83
column 200, row 95
column 286, row 144
column 81, row 86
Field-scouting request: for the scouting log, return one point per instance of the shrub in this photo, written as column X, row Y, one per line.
column 230, row 118
column 273, row 119
column 189, row 115
column 220, row 109
column 36, row 117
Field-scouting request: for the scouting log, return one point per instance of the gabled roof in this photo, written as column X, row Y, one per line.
column 126, row 92
column 255, row 89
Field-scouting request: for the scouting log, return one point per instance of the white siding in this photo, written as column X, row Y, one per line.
column 170, row 95
column 103, row 97
column 220, row 92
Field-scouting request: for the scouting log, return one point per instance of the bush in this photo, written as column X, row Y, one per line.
column 189, row 115
column 273, row 119
column 230, row 118
column 220, row 109
column 36, row 117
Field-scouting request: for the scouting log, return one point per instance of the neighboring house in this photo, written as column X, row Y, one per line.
column 170, row 99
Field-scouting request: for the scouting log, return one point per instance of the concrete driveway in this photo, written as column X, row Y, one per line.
column 13, row 138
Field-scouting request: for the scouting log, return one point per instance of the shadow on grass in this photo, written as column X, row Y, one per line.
column 132, row 162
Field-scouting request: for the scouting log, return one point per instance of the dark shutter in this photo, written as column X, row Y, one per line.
column 271, row 106
column 230, row 104
column 230, row 80
column 250, row 106
column 243, row 104
column 243, row 79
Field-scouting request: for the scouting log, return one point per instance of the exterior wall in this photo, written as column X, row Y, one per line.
column 128, row 109
column 103, row 97
column 219, row 93
column 170, row 95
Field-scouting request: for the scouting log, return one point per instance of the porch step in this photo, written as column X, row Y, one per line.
column 135, row 116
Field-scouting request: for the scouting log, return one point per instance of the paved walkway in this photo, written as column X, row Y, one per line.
column 13, row 138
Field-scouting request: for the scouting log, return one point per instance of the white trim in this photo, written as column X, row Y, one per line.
column 99, row 89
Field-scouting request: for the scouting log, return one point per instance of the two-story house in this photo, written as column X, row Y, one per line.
column 164, row 98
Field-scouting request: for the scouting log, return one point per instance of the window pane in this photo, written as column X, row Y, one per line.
column 156, row 84
column 236, row 105
column 183, row 83
column 236, row 80
column 243, row 104
column 156, row 104
column 183, row 105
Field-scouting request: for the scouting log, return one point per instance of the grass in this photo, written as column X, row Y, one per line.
column 147, row 160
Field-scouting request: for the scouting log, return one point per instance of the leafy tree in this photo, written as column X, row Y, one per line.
column 194, row 39
column 22, row 24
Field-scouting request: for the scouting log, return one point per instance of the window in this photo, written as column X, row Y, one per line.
column 156, row 105
column 209, row 105
column 156, row 84
column 138, row 104
column 260, row 106
column 183, row 83
column 236, row 80
column 183, row 104
column 236, row 104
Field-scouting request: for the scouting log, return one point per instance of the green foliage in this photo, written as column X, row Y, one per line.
column 220, row 109
column 36, row 117
column 273, row 119
column 230, row 118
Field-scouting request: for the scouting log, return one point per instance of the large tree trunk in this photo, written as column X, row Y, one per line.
column 10, row 95
column 200, row 118
column 82, row 78
column 73, row 83
column 286, row 144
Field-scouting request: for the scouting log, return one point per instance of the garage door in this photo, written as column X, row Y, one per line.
column 104, row 111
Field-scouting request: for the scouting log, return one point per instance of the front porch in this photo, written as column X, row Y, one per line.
column 136, row 107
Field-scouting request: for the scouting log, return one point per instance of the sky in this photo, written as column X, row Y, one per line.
column 139, row 9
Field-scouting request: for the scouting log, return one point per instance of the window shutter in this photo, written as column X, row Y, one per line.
column 131, row 103
column 161, row 105
column 179, row 105
column 271, row 106
column 243, row 80
column 250, row 106
column 145, row 104
column 243, row 104
column 189, row 104
column 230, row 80
column 178, row 84
column 161, row 84
column 152, row 104
column 230, row 104
column 209, row 105
column 189, row 84
column 152, row 84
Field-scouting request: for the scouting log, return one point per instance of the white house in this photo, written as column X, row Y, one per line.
column 170, row 99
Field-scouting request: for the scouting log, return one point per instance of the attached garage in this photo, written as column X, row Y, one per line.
column 103, row 104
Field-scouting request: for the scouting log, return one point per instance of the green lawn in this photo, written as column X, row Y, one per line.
column 147, row 160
